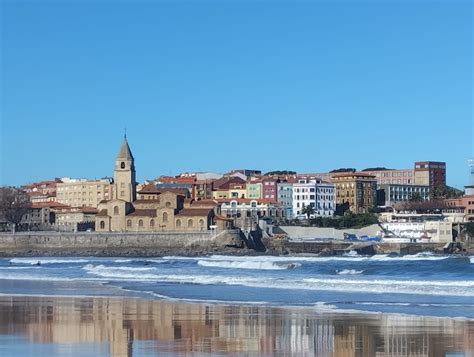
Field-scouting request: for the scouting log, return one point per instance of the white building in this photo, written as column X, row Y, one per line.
column 422, row 231
column 316, row 193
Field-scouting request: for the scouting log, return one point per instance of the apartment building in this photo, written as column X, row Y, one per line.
column 356, row 190
column 318, row 194
column 83, row 192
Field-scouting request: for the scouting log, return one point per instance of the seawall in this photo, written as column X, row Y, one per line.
column 118, row 244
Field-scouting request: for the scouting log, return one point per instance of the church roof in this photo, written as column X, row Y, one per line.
column 125, row 152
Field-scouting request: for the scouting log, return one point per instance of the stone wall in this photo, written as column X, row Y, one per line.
column 109, row 244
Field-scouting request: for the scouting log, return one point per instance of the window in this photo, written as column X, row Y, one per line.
column 168, row 204
column 152, row 223
column 140, row 223
column 178, row 223
column 190, row 222
column 102, row 225
column 165, row 217
column 201, row 223
column 116, row 210
column 129, row 223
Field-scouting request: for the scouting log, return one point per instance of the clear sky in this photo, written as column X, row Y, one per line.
column 211, row 86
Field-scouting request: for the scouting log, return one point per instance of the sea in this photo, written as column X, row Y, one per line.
column 423, row 284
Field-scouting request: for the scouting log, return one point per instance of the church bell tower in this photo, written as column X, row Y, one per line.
column 124, row 174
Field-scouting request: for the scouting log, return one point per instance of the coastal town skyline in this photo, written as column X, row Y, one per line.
column 230, row 168
column 300, row 87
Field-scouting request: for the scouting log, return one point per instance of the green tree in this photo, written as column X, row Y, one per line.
column 416, row 197
column 308, row 211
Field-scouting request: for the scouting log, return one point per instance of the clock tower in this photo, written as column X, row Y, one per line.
column 124, row 174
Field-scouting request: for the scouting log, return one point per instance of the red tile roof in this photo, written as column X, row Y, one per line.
column 192, row 212
column 142, row 213
column 102, row 213
column 206, row 203
column 56, row 205
column 150, row 189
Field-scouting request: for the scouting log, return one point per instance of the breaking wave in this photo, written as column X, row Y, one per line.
column 35, row 261
column 349, row 272
column 257, row 265
column 425, row 287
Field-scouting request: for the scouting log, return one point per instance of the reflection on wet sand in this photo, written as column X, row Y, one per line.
column 133, row 327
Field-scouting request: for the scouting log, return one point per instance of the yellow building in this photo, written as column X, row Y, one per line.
column 356, row 190
column 233, row 187
column 83, row 193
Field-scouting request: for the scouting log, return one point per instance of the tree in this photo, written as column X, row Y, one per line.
column 440, row 192
column 416, row 197
column 344, row 169
column 14, row 203
column 308, row 211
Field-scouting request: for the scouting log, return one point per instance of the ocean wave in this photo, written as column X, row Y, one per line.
column 91, row 267
column 418, row 256
column 425, row 287
column 349, row 272
column 256, row 265
column 472, row 260
column 35, row 261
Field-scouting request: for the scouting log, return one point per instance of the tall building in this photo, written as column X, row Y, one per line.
column 430, row 173
column 124, row 174
column 357, row 190
column 318, row 194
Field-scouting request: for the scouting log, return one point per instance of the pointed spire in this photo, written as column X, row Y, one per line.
column 125, row 153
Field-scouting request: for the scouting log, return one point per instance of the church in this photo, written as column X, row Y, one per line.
column 152, row 209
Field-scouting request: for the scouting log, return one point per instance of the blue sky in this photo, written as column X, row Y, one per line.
column 299, row 85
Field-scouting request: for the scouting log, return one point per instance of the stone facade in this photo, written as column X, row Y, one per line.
column 156, row 209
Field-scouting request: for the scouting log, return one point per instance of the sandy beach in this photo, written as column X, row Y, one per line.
column 113, row 326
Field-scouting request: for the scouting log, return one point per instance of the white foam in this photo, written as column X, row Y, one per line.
column 90, row 267
column 349, row 272
column 35, row 261
column 419, row 256
column 425, row 287
column 472, row 260
column 257, row 265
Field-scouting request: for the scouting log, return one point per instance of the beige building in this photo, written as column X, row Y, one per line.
column 83, row 193
column 164, row 209
column 357, row 190
column 75, row 218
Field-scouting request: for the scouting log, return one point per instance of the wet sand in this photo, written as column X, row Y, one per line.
column 74, row 326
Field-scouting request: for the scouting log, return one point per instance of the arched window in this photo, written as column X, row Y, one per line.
column 190, row 222
column 168, row 204
column 129, row 223
column 102, row 225
column 201, row 223
column 140, row 223
column 116, row 210
column 152, row 223
column 165, row 217
column 178, row 223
